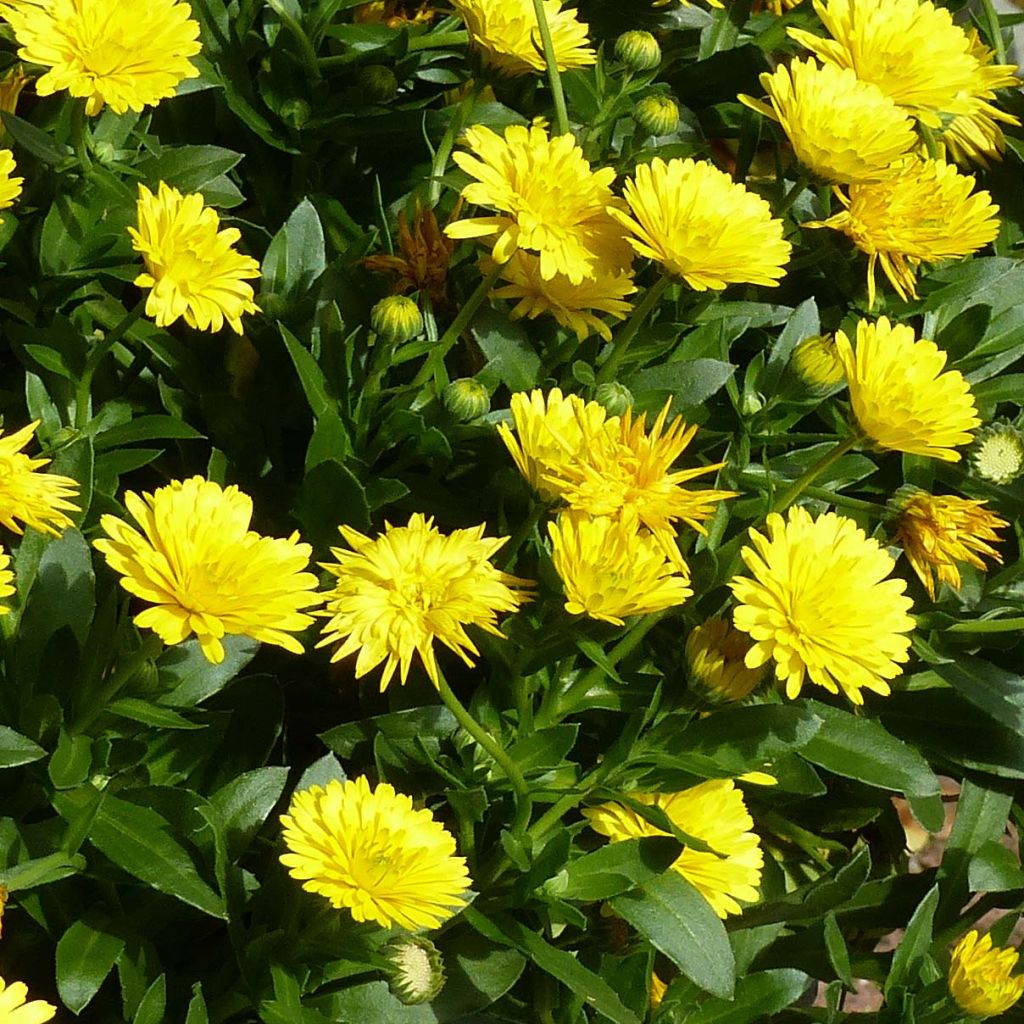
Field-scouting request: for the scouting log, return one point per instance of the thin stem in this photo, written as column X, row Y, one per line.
column 444, row 150
column 551, row 60
column 792, row 195
column 149, row 649
column 298, row 33
column 995, row 31
column 930, row 142
column 438, row 41
column 622, row 339
column 829, row 458
column 78, row 134
column 522, row 534
column 988, row 626
column 96, row 356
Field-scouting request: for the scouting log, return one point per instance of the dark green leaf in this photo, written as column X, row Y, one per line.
column 146, row 428
column 617, row 867
column 85, row 956
column 71, row 761
column 691, row 381
column 838, row 954
column 295, row 257
column 150, row 714
column 16, row 749
column 913, row 947
column 994, row 868
column 245, row 802
column 758, row 997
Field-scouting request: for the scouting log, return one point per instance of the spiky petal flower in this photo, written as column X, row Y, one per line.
column 15, row 1008
column 568, row 226
column 203, row 571
column 900, row 395
column 11, row 85
column 371, row 852
column 129, row 54
column 715, row 652
column 713, row 811
column 191, row 264
column 937, row 531
column 820, row 605
column 980, row 978
column 412, row 585
column 39, row 500
column 925, row 213
column 702, row 226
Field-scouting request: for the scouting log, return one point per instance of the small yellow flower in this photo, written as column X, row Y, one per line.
column 715, row 653
column 191, row 264
column 702, row 226
column 658, row 990
column 979, row 976
column 6, row 585
column 203, row 571
column 371, row 852
column 10, row 187
column 412, row 585
column 820, row 605
column 712, row 811
column 15, row 1010
column 817, row 363
column 937, row 531
column 39, row 500
column 129, row 54
column 900, row 395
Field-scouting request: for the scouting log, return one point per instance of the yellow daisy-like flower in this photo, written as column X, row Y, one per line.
column 715, row 653
column 574, row 306
column 926, row 212
column 712, row 811
column 817, row 363
column 611, row 570
column 567, row 224
column 10, row 186
column 900, row 395
column 373, row 853
column 980, row 979
column 937, row 531
column 412, row 585
column 506, row 34
column 191, row 264
column 129, row 54
column 15, row 1009
column 842, row 129
column 6, row 580
column 702, row 226
column 203, row 571
column 39, row 500
column 820, row 605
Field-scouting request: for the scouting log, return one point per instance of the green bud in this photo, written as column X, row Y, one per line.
column 466, row 399
column 416, row 973
column 657, row 115
column 295, row 112
column 751, row 404
column 638, row 50
column 105, row 151
column 396, row 319
column 378, row 83
column 998, row 453
column 615, row 397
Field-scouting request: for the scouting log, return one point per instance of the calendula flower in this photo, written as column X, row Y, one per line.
column 998, row 453
column 702, row 226
column 926, row 212
column 10, row 186
column 820, row 605
column 979, row 976
column 506, row 35
column 191, row 264
column 900, row 395
column 396, row 594
column 203, row 571
column 568, row 226
column 610, row 569
column 817, row 362
column 938, row 531
column 842, row 129
column 16, row 1009
column 370, row 851
column 715, row 652
column 6, row 580
column 39, row 500
column 129, row 54
column 574, row 306
column 712, row 811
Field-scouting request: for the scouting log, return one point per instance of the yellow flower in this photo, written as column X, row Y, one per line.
column 15, row 1010
column 568, row 226
column 6, row 580
column 702, row 226
column 506, row 34
column 820, row 606
column 191, row 265
column 936, row 532
column 900, row 395
column 572, row 305
column 129, row 54
column 611, row 570
column 923, row 214
column 370, row 851
column 842, row 129
column 817, row 362
column 10, row 187
column 10, row 88
column 712, row 811
column 39, row 500
column 715, row 652
column 979, row 976
column 204, row 571
column 658, row 990
column 396, row 595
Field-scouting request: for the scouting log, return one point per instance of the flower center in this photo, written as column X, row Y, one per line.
column 107, row 57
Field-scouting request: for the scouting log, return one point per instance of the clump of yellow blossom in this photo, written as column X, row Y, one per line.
column 39, row 500
column 980, row 978
column 15, row 1008
column 715, row 652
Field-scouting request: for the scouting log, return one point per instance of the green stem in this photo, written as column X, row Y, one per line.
column 522, row 534
column 792, row 196
column 96, row 356
column 149, row 649
column 989, row 626
column 622, row 339
column 78, row 134
column 995, row 31
column 444, row 150
column 930, row 142
column 551, row 60
column 438, row 41
column 829, row 458
column 298, row 33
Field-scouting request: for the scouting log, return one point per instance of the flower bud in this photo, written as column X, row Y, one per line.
column 615, row 397
column 396, row 319
column 817, row 364
column 466, row 399
column 657, row 115
column 638, row 50
column 295, row 112
column 997, row 454
column 416, row 973
column 715, row 652
column 378, row 83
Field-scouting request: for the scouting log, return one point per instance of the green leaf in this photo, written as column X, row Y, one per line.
column 330, row 495
column 147, row 428
column 994, row 868
column 913, row 947
column 310, row 375
column 85, row 956
column 71, row 761
column 296, row 256
column 245, row 802
column 803, row 323
column 144, row 712
column 1000, row 694
column 41, row 871
column 16, row 749
column 188, row 168
column 758, row 997
column 154, row 1003
column 838, row 954
column 691, row 381
column 320, row 772
column 614, row 868
column 197, row 1012
column 510, row 356
column 187, row 673
column 37, row 142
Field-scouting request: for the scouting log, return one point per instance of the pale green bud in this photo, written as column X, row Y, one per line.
column 416, row 973
column 615, row 397
column 396, row 319
column 657, row 115
column 466, row 399
column 638, row 50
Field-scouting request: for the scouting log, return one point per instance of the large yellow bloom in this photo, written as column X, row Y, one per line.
column 900, row 395
column 191, row 265
column 15, row 1010
column 702, row 226
column 713, row 811
column 820, row 606
column 39, row 500
column 370, row 851
column 412, row 585
column 842, row 129
column 505, row 32
column 204, row 571
column 979, row 976
column 548, row 200
column 129, row 54
column 715, row 652
column 926, row 212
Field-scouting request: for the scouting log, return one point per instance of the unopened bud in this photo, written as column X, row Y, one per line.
column 416, row 973
column 615, row 397
column 998, row 453
column 638, row 50
column 816, row 362
column 657, row 115
column 466, row 399
column 295, row 112
column 396, row 319
column 378, row 83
